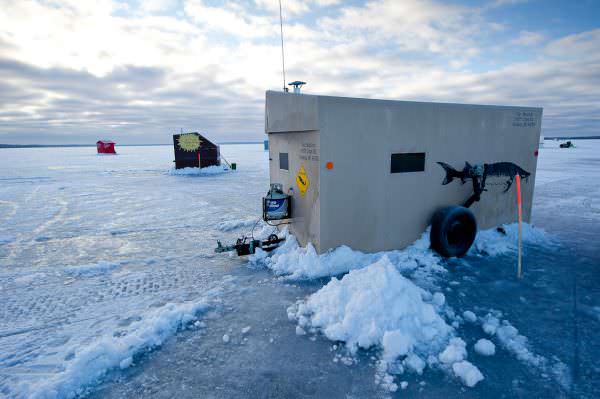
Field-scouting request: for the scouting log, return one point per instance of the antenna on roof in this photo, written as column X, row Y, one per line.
column 285, row 89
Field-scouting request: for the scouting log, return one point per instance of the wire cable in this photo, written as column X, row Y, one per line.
column 282, row 52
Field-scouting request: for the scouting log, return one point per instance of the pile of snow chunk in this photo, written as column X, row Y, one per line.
column 378, row 306
column 375, row 306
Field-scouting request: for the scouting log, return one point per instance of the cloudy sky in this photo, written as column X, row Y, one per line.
column 72, row 71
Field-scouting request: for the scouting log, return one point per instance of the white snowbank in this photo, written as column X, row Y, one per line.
column 298, row 263
column 469, row 374
column 93, row 269
column 492, row 242
column 209, row 170
column 110, row 352
column 485, row 347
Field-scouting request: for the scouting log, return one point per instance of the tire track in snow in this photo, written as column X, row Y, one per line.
column 23, row 242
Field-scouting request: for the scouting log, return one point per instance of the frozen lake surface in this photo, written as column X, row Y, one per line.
column 110, row 289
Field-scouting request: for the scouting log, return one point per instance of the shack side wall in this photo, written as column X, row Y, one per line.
column 366, row 207
column 303, row 151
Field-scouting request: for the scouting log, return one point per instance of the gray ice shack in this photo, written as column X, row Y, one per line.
column 345, row 147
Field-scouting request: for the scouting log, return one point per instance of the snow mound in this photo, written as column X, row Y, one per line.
column 375, row 306
column 109, row 352
column 485, row 347
column 91, row 270
column 492, row 242
column 209, row 170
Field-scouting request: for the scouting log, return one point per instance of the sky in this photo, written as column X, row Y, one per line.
column 73, row 71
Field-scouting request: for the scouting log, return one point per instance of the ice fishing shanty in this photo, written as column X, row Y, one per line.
column 373, row 174
column 105, row 147
column 192, row 150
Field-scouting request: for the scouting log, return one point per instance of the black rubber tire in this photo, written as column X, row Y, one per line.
column 272, row 237
column 453, row 231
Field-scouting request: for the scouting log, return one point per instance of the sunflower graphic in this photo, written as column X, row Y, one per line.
column 189, row 142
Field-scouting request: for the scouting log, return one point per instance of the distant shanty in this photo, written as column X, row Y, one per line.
column 193, row 150
column 105, row 147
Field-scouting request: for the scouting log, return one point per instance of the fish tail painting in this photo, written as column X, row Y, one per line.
column 452, row 173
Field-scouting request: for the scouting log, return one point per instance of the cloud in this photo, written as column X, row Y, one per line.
column 138, row 74
column 527, row 38
column 504, row 3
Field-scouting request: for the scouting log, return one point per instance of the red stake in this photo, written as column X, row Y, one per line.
column 518, row 178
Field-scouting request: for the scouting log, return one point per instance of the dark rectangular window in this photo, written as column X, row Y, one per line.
column 283, row 161
column 408, row 162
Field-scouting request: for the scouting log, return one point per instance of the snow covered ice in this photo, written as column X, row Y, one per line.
column 111, row 289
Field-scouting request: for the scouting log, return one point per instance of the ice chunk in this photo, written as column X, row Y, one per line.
column 485, row 347
column 300, row 331
column 246, row 330
column 125, row 363
column 490, row 324
column 226, row 338
column 439, row 299
column 467, row 372
column 454, row 352
column 469, row 316
column 414, row 363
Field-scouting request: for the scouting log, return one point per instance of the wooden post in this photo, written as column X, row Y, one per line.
column 518, row 178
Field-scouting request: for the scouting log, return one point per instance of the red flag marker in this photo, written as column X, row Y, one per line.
column 518, row 178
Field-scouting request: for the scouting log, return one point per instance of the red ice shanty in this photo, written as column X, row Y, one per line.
column 105, row 147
